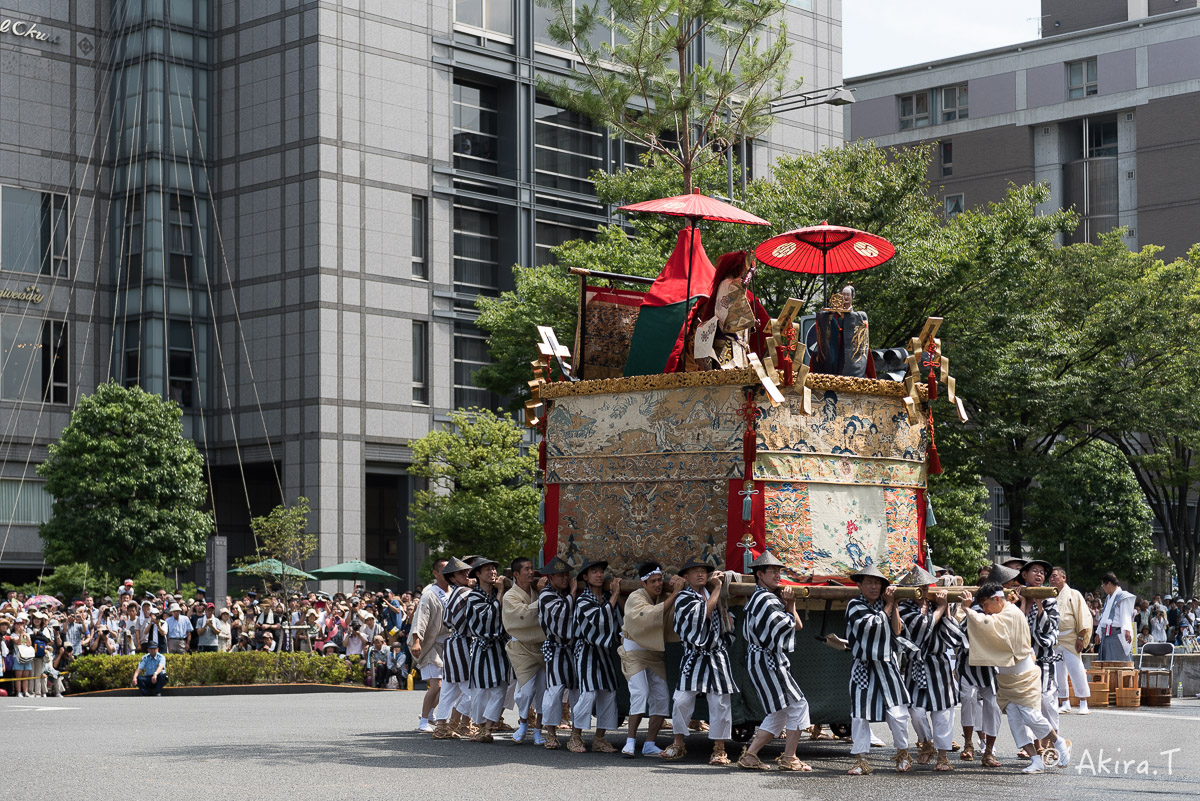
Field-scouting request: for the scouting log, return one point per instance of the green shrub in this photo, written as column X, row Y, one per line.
column 92, row 673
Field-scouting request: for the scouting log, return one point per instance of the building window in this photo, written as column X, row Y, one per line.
column 24, row 502
column 420, row 361
column 476, row 119
column 489, row 15
column 914, row 110
column 567, row 149
column 954, row 103
column 180, row 230
column 132, row 354
column 600, row 35
column 181, row 369
column 953, row 205
column 998, row 517
column 420, row 267
column 35, row 364
column 1081, row 79
column 1102, row 139
column 555, row 229
column 133, row 242
column 470, row 354
column 947, row 150
column 476, row 247
column 34, row 231
column 55, row 363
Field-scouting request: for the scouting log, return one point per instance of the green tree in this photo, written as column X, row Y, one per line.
column 1091, row 503
column 281, row 536
column 74, row 580
column 480, row 497
column 960, row 501
column 128, row 487
column 650, row 88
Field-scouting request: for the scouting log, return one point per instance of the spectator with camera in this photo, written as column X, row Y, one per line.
column 353, row 643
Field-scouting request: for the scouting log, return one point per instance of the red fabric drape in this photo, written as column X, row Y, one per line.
column 736, row 526
column 550, row 527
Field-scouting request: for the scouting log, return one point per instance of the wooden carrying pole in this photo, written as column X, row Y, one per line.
column 745, row 588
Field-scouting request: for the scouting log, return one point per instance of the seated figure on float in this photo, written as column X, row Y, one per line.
column 729, row 324
column 843, row 345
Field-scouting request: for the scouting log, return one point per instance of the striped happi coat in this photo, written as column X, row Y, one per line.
column 770, row 632
column 1043, row 633
column 597, row 626
column 929, row 674
column 705, row 664
column 556, row 613
column 982, row 676
column 456, row 656
column 875, row 681
column 489, row 662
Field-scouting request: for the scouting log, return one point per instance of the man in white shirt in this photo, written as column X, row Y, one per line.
column 1074, row 634
column 1115, row 625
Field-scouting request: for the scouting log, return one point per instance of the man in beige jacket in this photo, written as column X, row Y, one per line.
column 426, row 638
column 648, row 616
column 1000, row 638
column 519, row 614
column 1074, row 633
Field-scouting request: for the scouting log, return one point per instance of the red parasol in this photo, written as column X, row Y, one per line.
column 695, row 206
column 823, row 249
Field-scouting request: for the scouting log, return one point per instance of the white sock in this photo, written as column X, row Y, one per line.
column 423, row 721
column 1060, row 743
column 1037, row 761
column 630, row 741
column 1082, row 704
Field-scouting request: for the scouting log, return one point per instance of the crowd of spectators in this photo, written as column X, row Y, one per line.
column 40, row 637
column 1158, row 619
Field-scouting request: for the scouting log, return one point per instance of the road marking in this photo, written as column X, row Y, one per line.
column 1160, row 715
column 63, row 708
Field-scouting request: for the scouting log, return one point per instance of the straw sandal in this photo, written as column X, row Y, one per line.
column 861, row 768
column 550, row 733
column 673, row 752
column 719, row 757
column 602, row 746
column 575, row 743
column 749, row 761
column 793, row 764
column 943, row 761
column 989, row 761
column 904, row 762
column 968, row 753
column 925, row 752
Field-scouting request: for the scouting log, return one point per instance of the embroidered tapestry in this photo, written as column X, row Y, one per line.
column 824, row 529
column 843, row 424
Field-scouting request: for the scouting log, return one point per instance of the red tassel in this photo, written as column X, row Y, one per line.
column 542, row 455
column 749, row 450
column 932, row 386
column 932, row 462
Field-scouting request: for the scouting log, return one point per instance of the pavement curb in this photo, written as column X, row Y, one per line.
column 241, row 689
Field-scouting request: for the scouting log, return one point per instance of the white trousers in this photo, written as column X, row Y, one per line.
column 529, row 695
column 1022, row 721
column 649, row 694
column 936, row 726
column 552, row 704
column 603, row 702
column 453, row 696
column 487, row 703
column 897, row 721
column 720, row 713
column 431, row 671
column 980, row 710
column 1050, row 708
column 1071, row 665
column 792, row 717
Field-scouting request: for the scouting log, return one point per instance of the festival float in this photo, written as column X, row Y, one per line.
column 818, row 452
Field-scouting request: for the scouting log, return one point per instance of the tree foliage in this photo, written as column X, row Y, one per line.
column 128, row 487
column 281, row 536
column 481, row 497
column 649, row 88
column 960, row 501
column 1090, row 502
column 76, row 580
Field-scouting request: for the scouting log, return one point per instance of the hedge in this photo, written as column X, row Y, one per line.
column 91, row 673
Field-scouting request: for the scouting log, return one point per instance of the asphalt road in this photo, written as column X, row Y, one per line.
column 333, row 746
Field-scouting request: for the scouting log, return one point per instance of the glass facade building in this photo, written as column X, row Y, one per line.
column 279, row 215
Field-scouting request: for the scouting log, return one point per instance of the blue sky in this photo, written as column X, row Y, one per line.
column 885, row 34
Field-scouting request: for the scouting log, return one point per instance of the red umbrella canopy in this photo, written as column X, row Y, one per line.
column 825, row 248
column 696, row 207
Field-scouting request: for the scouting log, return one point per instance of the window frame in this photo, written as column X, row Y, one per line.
column 1085, row 88
column 962, row 205
column 913, row 118
column 946, row 149
column 961, row 107
column 420, row 238
column 420, row 365
column 484, row 31
column 53, row 215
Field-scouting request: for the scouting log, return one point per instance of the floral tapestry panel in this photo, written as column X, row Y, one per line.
column 627, row 523
column 644, row 467
column 903, row 529
column 609, row 318
column 843, row 424
column 684, row 419
column 824, row 529
column 827, row 469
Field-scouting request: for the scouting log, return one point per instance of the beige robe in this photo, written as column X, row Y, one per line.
column 1074, row 618
column 519, row 614
column 428, row 625
column 1002, row 641
column 647, row 625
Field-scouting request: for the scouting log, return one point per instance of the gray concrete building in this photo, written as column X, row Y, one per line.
column 1104, row 108
column 279, row 213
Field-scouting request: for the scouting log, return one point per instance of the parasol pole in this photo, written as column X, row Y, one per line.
column 687, row 297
